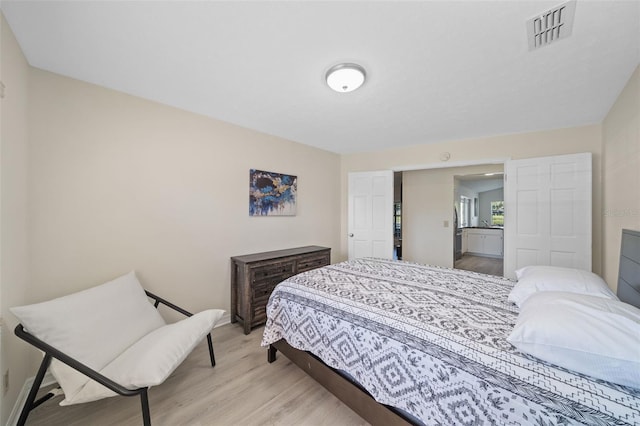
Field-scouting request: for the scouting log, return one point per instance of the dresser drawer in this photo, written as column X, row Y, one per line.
column 259, row 314
column 263, row 290
column 269, row 273
column 312, row 262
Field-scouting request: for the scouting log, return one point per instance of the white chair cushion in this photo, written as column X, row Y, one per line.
column 95, row 325
column 592, row 335
column 152, row 359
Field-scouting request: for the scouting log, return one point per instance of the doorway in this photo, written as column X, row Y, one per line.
column 561, row 218
column 428, row 213
column 397, row 215
column 479, row 236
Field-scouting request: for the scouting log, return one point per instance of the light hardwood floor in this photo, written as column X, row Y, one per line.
column 486, row 265
column 242, row 389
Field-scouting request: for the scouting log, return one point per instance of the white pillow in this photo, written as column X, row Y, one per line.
column 591, row 335
column 533, row 279
column 93, row 326
column 152, row 359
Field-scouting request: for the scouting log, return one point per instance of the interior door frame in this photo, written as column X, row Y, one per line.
column 441, row 165
column 445, row 164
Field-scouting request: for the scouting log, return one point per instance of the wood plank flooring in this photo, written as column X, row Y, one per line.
column 486, row 265
column 242, row 389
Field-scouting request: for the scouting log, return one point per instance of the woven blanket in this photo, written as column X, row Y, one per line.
column 432, row 342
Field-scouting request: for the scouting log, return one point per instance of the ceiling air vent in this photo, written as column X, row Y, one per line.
column 551, row 25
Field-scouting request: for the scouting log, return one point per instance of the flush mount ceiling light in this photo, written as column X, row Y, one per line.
column 345, row 78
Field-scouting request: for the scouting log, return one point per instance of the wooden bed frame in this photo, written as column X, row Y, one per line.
column 360, row 401
column 346, row 390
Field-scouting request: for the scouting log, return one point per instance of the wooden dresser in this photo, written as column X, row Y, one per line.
column 254, row 276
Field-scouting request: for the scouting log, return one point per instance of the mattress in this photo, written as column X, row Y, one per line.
column 431, row 341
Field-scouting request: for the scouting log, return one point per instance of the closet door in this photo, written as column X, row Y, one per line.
column 548, row 212
column 370, row 214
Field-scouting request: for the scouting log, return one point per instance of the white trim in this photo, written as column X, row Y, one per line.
column 24, row 393
column 224, row 320
column 446, row 164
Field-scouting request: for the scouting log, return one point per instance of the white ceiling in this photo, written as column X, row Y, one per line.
column 481, row 183
column 437, row 70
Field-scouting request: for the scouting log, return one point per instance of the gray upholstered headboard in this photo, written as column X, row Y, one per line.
column 629, row 274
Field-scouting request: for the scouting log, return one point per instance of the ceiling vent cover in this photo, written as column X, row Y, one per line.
column 551, row 26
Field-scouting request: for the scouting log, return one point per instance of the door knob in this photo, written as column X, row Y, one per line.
column 351, row 235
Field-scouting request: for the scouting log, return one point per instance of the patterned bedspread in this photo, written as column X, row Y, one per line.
column 432, row 342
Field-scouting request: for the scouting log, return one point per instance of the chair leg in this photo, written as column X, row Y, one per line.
column 146, row 416
column 213, row 358
column 28, row 405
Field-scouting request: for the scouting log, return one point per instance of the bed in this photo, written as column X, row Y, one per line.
column 403, row 343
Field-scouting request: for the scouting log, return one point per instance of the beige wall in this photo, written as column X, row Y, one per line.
column 517, row 146
column 115, row 183
column 14, row 271
column 621, row 174
column 120, row 183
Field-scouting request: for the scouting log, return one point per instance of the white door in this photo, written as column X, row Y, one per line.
column 548, row 212
column 370, row 214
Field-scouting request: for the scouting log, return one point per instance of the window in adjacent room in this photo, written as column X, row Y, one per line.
column 497, row 213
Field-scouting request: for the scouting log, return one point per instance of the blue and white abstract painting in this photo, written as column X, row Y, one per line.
column 272, row 194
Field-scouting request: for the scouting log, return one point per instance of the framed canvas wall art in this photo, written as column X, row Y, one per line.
column 272, row 194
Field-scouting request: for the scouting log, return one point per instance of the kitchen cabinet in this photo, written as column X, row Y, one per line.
column 475, row 241
column 484, row 241
column 493, row 244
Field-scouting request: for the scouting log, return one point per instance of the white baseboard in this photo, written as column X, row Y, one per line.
column 22, row 397
column 224, row 320
column 49, row 380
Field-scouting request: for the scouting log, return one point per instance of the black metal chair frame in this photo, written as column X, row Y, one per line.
column 51, row 352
